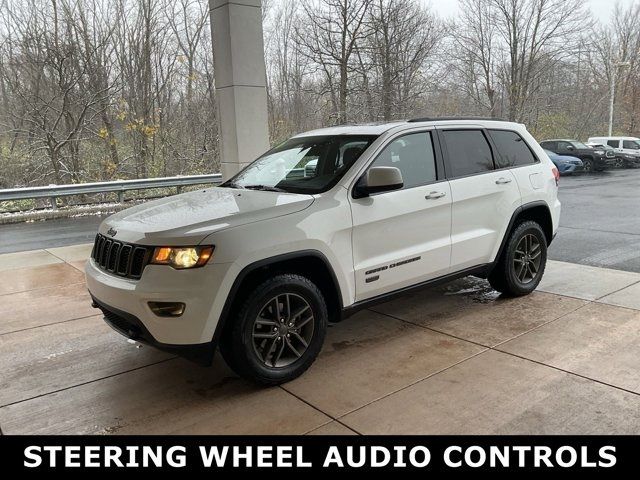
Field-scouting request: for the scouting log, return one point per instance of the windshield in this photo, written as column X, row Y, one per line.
column 580, row 145
column 303, row 165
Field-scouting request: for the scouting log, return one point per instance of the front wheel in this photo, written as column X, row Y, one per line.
column 587, row 165
column 278, row 331
column 522, row 263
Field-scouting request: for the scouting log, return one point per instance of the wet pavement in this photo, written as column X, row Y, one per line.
column 457, row 359
column 600, row 220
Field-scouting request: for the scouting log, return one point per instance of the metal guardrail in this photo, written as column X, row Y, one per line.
column 120, row 186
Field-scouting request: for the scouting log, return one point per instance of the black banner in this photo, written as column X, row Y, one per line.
column 323, row 454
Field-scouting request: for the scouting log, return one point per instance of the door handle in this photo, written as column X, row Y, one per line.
column 434, row 195
column 502, row 181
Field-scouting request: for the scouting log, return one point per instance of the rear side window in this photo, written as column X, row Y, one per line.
column 630, row 144
column 469, row 152
column 413, row 155
column 613, row 143
column 512, row 149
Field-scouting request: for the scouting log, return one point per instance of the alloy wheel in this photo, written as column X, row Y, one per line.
column 527, row 258
column 283, row 329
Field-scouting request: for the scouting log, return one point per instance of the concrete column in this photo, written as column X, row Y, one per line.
column 240, row 79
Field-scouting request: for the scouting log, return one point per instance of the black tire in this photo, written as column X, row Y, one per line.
column 505, row 277
column 587, row 165
column 249, row 356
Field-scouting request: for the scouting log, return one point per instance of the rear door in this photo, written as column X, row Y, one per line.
column 551, row 146
column 513, row 153
column 484, row 198
column 630, row 147
column 402, row 237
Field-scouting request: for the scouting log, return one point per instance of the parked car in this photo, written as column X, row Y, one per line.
column 262, row 263
column 610, row 151
column 566, row 165
column 627, row 149
column 592, row 160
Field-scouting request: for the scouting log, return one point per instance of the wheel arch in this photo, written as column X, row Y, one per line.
column 538, row 212
column 311, row 264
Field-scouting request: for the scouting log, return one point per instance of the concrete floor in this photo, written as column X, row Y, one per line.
column 455, row 359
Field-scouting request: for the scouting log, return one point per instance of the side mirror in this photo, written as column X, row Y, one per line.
column 378, row 179
column 570, row 148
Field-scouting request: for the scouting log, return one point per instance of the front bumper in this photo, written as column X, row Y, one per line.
column 569, row 168
column 605, row 162
column 131, row 327
column 203, row 291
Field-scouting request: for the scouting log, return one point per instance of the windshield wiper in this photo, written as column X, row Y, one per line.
column 232, row 185
column 264, row 188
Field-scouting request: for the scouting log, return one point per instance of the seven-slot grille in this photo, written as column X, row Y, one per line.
column 124, row 259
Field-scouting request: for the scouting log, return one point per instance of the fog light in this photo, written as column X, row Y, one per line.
column 167, row 309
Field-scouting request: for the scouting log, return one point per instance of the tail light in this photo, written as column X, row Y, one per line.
column 556, row 175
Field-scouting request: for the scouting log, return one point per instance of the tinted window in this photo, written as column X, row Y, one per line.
column 469, row 152
column 553, row 146
column 512, row 149
column 413, row 155
column 613, row 143
column 632, row 144
column 565, row 147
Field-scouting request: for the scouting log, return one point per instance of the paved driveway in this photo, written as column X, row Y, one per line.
column 600, row 221
column 454, row 359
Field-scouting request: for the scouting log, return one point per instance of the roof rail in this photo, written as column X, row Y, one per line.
column 435, row 119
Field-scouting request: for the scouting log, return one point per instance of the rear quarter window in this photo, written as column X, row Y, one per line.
column 513, row 151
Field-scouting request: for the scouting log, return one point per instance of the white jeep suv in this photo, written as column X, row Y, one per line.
column 319, row 227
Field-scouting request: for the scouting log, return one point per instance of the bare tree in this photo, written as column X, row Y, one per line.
column 476, row 40
column 403, row 37
column 328, row 36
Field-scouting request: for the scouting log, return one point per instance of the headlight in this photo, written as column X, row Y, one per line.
column 182, row 257
column 599, row 152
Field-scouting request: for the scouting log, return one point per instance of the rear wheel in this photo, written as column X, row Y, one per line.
column 521, row 266
column 278, row 332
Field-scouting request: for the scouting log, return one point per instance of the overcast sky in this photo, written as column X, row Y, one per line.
column 601, row 8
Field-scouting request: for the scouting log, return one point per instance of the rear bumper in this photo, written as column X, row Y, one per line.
column 132, row 328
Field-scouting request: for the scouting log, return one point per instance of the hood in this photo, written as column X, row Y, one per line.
column 186, row 219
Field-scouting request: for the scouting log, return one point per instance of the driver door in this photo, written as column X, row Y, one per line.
column 403, row 237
